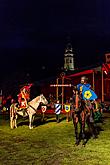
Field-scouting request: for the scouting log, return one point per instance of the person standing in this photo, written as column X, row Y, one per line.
column 13, row 114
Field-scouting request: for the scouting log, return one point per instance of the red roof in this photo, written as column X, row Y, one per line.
column 80, row 73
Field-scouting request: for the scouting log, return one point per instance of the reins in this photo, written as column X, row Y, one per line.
column 32, row 107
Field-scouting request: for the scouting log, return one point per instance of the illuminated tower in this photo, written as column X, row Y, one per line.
column 69, row 58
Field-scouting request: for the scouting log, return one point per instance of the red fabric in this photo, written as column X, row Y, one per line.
column 80, row 73
column 27, row 96
column 23, row 104
column 4, row 102
column 27, row 87
column 19, row 97
column 24, row 94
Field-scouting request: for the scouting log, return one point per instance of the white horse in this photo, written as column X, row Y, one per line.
column 30, row 111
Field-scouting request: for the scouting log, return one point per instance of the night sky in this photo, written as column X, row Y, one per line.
column 33, row 35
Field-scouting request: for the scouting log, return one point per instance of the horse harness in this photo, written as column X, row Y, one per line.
column 31, row 107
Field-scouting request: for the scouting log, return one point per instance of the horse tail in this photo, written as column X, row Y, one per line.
column 12, row 110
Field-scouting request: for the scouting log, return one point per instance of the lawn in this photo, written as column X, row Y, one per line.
column 52, row 143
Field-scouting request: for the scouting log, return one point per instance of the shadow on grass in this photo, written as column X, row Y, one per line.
column 47, row 120
column 97, row 127
column 89, row 135
column 39, row 121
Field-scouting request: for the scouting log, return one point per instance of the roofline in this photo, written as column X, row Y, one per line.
column 83, row 71
column 80, row 73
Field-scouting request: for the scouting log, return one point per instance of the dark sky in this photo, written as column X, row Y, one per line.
column 34, row 34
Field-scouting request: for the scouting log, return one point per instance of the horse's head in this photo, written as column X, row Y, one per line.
column 43, row 99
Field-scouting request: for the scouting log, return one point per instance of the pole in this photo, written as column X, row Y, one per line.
column 43, row 116
column 67, row 116
column 1, row 100
column 62, row 91
column 57, row 89
column 93, row 80
column 102, row 86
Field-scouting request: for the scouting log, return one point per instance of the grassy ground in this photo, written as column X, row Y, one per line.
column 52, row 143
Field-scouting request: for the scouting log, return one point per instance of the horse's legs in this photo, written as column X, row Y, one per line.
column 90, row 123
column 12, row 118
column 15, row 123
column 75, row 122
column 82, row 127
column 30, row 121
column 11, row 123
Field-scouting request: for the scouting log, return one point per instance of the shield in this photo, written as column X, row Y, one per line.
column 67, row 108
column 89, row 94
column 43, row 108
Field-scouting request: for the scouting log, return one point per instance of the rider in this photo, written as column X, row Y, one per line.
column 23, row 97
column 85, row 89
column 83, row 83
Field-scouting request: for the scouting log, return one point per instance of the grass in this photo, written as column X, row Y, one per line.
column 52, row 143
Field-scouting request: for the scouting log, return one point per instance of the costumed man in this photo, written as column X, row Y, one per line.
column 23, row 97
column 57, row 110
column 13, row 114
column 85, row 90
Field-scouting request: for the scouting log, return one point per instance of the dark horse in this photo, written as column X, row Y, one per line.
column 83, row 113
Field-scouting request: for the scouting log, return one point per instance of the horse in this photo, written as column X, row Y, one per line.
column 83, row 114
column 29, row 111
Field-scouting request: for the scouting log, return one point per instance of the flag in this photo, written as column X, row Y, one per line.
column 43, row 108
column 57, row 109
column 67, row 108
column 88, row 94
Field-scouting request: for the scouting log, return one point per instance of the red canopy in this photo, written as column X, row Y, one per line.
column 80, row 73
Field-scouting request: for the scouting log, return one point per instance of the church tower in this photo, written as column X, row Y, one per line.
column 69, row 58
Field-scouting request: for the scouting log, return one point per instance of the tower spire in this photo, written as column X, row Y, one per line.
column 69, row 57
